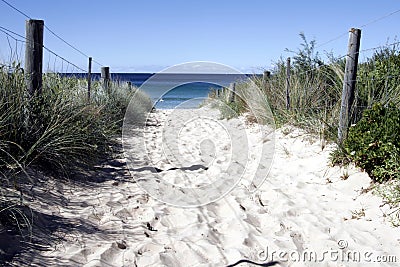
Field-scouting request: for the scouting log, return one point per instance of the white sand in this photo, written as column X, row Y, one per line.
column 303, row 206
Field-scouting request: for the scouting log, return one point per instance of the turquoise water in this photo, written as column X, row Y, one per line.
column 189, row 95
column 170, row 91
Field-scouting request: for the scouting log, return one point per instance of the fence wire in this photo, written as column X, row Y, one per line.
column 54, row 34
column 11, row 35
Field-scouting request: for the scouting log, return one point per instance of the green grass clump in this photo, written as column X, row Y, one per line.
column 59, row 131
column 229, row 109
column 390, row 191
column 247, row 98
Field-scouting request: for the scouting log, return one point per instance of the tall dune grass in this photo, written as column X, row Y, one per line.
column 314, row 97
column 316, row 88
column 59, row 131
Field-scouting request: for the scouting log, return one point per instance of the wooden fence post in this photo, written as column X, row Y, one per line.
column 288, row 83
column 34, row 56
column 266, row 75
column 105, row 77
column 233, row 92
column 89, row 77
column 349, row 83
column 129, row 85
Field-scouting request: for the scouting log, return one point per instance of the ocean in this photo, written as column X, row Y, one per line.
column 170, row 91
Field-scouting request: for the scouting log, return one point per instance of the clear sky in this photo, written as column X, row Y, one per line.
column 147, row 36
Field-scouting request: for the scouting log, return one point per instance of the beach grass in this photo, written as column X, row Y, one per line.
column 315, row 99
column 59, row 132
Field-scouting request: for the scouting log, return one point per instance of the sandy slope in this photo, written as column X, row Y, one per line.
column 303, row 207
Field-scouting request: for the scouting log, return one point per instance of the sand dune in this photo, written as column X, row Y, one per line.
column 303, row 207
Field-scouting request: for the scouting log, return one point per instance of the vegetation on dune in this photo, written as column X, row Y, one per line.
column 379, row 78
column 315, row 90
column 374, row 142
column 58, row 131
column 315, row 99
column 373, row 139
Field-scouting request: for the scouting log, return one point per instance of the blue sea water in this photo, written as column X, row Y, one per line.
column 188, row 95
column 175, row 90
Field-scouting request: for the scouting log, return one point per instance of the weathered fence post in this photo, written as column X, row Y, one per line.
column 233, row 92
column 266, row 75
column 130, row 85
column 105, row 77
column 89, row 77
column 34, row 56
column 288, row 83
column 349, row 82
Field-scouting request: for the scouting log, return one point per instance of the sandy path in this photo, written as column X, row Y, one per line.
column 303, row 208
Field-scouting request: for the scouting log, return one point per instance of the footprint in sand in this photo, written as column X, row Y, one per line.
column 298, row 241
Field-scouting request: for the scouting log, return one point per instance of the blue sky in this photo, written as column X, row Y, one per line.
column 147, row 36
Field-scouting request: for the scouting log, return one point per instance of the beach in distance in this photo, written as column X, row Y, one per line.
column 174, row 89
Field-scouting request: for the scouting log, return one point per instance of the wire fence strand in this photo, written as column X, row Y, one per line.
column 380, row 18
column 10, row 34
column 70, row 45
column 361, row 27
column 52, row 32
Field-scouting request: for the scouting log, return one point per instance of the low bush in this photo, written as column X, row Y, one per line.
column 374, row 142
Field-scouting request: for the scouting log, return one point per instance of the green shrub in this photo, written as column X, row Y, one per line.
column 374, row 142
